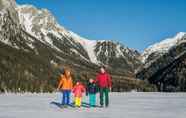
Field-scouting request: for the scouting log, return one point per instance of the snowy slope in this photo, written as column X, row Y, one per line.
column 89, row 46
column 163, row 46
column 106, row 47
column 122, row 105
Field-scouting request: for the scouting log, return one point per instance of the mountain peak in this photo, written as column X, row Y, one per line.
column 8, row 7
column 35, row 19
column 7, row 4
column 27, row 8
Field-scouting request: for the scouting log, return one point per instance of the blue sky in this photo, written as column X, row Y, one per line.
column 135, row 23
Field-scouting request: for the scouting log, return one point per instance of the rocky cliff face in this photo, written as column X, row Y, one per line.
column 115, row 55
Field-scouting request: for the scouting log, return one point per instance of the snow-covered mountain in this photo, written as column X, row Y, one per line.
column 165, row 64
column 33, row 45
column 163, row 46
column 40, row 23
column 108, row 52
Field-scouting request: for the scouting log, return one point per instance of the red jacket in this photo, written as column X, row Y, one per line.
column 104, row 80
column 78, row 90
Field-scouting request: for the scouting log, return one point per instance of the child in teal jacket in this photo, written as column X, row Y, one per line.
column 92, row 89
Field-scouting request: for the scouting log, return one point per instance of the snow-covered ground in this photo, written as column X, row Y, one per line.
column 123, row 105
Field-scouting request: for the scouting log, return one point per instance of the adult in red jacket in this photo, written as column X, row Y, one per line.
column 103, row 80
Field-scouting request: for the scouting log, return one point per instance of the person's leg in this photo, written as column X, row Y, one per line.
column 64, row 97
column 101, row 96
column 90, row 99
column 79, row 101
column 93, row 100
column 106, row 97
column 68, row 97
column 76, row 101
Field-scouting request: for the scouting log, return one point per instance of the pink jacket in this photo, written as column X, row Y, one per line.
column 104, row 80
column 78, row 90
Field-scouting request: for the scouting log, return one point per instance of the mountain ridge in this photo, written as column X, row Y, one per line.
column 56, row 29
column 162, row 46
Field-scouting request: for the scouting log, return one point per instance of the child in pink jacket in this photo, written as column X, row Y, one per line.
column 78, row 91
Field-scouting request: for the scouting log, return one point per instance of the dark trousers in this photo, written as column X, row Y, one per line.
column 66, row 97
column 104, row 93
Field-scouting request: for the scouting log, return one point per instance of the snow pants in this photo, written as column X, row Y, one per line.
column 66, row 97
column 78, row 101
column 92, row 100
column 104, row 93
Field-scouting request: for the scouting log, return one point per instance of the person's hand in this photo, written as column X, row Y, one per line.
column 110, row 89
column 57, row 89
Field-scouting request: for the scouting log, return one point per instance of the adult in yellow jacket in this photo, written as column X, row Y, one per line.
column 65, row 85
